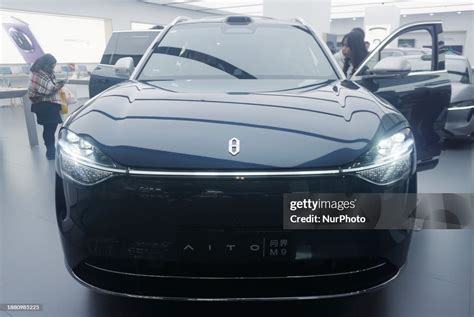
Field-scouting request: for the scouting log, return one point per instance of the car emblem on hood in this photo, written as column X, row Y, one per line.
column 234, row 146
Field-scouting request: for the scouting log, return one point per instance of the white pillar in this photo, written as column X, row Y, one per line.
column 380, row 21
column 317, row 13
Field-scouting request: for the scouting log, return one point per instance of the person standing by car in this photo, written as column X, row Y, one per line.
column 355, row 51
column 46, row 103
column 339, row 56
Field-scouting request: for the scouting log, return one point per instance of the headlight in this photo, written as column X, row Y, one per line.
column 81, row 161
column 389, row 160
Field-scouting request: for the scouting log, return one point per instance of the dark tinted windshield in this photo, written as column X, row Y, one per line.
column 222, row 51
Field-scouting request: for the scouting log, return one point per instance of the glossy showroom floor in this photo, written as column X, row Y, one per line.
column 438, row 279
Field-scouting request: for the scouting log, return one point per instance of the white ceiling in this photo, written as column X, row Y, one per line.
column 339, row 8
column 249, row 7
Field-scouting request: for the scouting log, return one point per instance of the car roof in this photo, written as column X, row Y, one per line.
column 255, row 20
column 138, row 31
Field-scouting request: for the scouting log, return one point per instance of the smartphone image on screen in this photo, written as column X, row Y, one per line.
column 24, row 40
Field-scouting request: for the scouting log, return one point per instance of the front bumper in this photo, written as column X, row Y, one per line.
column 235, row 289
column 218, row 239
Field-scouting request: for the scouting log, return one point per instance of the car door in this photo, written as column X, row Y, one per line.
column 121, row 44
column 418, row 86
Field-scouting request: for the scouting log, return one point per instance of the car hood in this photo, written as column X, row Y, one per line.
column 152, row 126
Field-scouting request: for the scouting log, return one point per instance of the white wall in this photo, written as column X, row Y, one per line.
column 118, row 13
column 340, row 27
column 315, row 13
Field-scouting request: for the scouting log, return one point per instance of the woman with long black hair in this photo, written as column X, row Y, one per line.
column 46, row 104
column 354, row 50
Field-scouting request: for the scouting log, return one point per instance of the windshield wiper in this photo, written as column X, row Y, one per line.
column 309, row 87
column 205, row 59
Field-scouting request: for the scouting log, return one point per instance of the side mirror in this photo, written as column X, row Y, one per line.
column 391, row 66
column 124, row 67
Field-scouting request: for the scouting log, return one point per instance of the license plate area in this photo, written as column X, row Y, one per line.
column 213, row 247
column 235, row 247
column 223, row 253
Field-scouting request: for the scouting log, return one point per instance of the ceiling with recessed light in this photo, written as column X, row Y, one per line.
column 339, row 8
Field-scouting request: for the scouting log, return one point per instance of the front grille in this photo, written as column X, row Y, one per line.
column 207, row 187
column 141, row 204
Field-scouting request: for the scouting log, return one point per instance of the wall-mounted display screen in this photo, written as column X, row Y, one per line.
column 68, row 38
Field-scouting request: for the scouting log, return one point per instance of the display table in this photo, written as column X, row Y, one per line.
column 8, row 93
column 78, row 81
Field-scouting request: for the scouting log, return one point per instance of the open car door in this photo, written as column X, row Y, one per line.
column 408, row 70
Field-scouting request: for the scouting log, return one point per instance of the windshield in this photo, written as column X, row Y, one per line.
column 234, row 52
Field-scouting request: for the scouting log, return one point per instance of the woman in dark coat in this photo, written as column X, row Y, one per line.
column 43, row 92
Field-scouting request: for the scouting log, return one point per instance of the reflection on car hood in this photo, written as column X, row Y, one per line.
column 149, row 126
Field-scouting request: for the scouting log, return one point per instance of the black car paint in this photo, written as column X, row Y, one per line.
column 272, row 127
column 184, row 238
column 424, row 107
column 129, row 234
column 103, row 76
column 143, row 225
column 422, row 97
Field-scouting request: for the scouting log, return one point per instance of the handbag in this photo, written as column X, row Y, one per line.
column 64, row 105
column 70, row 98
column 67, row 98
